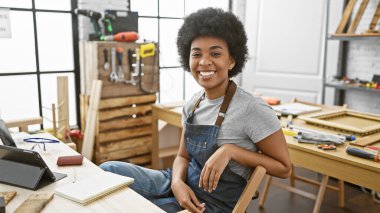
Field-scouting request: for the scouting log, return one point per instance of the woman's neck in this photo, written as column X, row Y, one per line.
column 218, row 91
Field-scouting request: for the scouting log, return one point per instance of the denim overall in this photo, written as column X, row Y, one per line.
column 200, row 142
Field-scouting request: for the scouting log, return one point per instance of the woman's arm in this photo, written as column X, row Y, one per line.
column 182, row 192
column 274, row 157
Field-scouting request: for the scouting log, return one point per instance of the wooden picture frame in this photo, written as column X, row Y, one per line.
column 350, row 121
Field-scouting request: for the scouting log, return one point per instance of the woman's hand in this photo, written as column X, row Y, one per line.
column 186, row 197
column 214, row 168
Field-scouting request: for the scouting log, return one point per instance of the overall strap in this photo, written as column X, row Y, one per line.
column 197, row 104
column 226, row 102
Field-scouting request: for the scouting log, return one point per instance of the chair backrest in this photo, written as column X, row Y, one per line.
column 23, row 124
column 249, row 191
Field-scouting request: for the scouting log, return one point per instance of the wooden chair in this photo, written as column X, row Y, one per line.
column 22, row 124
column 249, row 191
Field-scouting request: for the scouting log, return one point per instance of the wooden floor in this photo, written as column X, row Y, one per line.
column 279, row 200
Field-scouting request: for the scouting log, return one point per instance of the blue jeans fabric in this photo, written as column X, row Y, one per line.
column 154, row 185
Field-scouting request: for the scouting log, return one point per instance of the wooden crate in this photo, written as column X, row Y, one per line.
column 123, row 129
column 92, row 68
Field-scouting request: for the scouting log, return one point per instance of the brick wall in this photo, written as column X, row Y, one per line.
column 84, row 24
column 363, row 61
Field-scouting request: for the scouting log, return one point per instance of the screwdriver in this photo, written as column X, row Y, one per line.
column 362, row 154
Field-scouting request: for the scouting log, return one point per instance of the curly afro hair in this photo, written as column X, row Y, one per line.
column 218, row 23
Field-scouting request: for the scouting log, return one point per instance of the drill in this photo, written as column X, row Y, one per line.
column 107, row 21
column 94, row 18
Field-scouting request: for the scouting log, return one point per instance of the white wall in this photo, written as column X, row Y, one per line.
column 363, row 62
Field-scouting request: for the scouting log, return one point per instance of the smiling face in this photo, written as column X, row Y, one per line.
column 210, row 63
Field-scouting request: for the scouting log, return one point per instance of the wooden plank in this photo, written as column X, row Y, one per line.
column 354, row 24
column 124, row 123
column 63, row 103
column 83, row 110
column 155, row 159
column 120, row 112
column 89, row 133
column 124, row 133
column 122, row 154
column 35, row 203
column 367, row 140
column 346, row 16
column 8, row 196
column 374, row 20
column 126, row 101
column 124, row 144
column 114, row 90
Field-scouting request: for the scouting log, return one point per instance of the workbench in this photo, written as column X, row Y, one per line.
column 334, row 163
column 123, row 200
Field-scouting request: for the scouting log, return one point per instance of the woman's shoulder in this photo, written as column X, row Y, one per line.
column 244, row 96
column 189, row 103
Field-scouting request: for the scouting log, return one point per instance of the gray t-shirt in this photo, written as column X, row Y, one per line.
column 248, row 120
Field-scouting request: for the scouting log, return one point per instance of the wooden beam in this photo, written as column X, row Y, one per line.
column 120, row 112
column 89, row 133
column 354, row 24
column 346, row 16
column 374, row 21
column 126, row 101
column 63, row 102
column 124, row 134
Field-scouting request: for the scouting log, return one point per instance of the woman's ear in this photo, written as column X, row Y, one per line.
column 232, row 63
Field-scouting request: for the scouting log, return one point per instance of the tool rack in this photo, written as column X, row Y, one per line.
column 123, row 129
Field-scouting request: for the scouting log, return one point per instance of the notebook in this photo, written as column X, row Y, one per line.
column 92, row 188
column 295, row 108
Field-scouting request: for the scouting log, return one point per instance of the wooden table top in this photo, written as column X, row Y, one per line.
column 124, row 200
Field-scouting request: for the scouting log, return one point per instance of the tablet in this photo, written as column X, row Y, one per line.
column 14, row 164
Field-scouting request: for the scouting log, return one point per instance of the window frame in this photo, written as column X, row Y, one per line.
column 38, row 72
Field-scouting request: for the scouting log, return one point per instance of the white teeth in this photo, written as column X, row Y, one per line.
column 207, row 73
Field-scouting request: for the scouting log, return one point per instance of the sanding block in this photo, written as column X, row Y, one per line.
column 35, row 203
column 8, row 196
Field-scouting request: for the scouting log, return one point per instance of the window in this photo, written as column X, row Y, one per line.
column 160, row 23
column 43, row 46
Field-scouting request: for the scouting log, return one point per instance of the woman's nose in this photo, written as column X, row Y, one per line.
column 205, row 61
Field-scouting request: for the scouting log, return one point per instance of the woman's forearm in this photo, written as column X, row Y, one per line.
column 249, row 158
column 180, row 165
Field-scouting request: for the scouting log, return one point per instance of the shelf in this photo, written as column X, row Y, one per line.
column 348, row 87
column 351, row 37
column 168, row 152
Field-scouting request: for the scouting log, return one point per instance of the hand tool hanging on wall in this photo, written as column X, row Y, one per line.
column 147, row 50
column 94, row 18
column 113, row 75
column 133, row 70
column 120, row 70
column 106, row 63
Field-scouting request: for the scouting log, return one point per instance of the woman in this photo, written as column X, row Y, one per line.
column 224, row 126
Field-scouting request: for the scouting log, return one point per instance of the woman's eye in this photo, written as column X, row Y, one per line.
column 216, row 54
column 195, row 54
